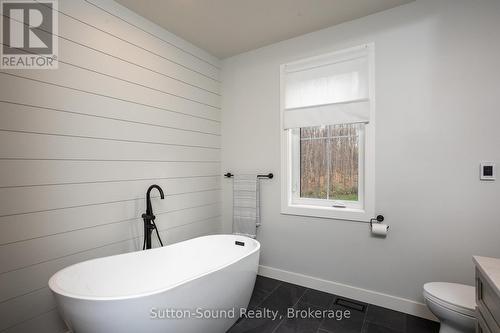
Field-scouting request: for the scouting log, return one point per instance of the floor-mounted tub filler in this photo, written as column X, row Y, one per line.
column 198, row 285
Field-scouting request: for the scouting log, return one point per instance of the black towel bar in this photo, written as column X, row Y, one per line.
column 268, row 176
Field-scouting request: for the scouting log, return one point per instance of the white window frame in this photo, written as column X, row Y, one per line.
column 293, row 204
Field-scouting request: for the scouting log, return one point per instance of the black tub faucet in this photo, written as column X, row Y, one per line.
column 149, row 218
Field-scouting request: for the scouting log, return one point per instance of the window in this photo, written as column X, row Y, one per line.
column 329, row 165
column 327, row 120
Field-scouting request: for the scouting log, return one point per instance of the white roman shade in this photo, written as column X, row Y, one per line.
column 327, row 90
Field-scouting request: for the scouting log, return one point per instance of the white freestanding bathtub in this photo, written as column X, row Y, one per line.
column 177, row 288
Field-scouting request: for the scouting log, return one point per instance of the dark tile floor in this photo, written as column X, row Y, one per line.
column 330, row 317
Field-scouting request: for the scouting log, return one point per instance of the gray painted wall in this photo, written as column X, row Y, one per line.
column 437, row 101
column 130, row 105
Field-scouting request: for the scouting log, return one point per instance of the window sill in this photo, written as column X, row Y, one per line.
column 350, row 214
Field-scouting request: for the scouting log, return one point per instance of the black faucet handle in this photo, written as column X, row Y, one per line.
column 149, row 217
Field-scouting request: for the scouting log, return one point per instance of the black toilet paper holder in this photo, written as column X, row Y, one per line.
column 378, row 219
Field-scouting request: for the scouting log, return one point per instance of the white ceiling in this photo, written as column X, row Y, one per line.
column 228, row 27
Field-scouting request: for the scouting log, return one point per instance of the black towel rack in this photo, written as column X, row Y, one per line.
column 268, row 176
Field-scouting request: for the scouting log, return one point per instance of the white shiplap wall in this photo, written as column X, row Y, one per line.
column 130, row 105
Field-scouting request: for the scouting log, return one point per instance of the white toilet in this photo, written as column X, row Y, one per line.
column 453, row 304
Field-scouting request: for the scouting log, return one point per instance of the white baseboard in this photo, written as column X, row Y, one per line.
column 344, row 290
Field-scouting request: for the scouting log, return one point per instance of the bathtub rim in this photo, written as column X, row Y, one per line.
column 55, row 288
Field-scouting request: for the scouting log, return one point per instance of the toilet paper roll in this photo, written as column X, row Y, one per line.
column 380, row 229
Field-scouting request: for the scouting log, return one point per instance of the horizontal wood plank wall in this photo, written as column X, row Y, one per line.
column 130, row 105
